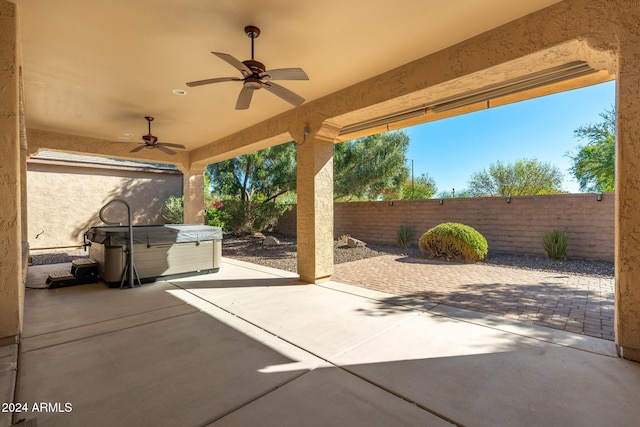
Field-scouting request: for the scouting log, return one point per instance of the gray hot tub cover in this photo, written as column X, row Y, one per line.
column 153, row 234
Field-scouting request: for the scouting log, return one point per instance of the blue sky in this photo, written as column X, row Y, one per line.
column 451, row 150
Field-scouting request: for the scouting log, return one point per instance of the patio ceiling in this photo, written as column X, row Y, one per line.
column 95, row 69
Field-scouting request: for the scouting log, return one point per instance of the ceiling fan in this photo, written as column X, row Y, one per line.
column 255, row 76
column 151, row 141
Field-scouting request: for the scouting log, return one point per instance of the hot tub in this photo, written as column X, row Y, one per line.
column 159, row 251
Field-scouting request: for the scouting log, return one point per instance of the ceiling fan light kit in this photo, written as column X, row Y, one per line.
column 255, row 76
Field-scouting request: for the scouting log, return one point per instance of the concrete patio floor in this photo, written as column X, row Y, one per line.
column 251, row 346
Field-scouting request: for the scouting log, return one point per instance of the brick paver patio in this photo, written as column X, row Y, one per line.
column 579, row 304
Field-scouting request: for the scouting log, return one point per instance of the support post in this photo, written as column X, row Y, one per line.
column 627, row 298
column 193, row 191
column 11, row 285
column 315, row 208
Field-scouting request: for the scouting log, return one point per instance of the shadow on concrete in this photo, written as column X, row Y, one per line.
column 545, row 303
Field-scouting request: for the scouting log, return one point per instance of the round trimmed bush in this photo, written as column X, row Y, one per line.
column 454, row 241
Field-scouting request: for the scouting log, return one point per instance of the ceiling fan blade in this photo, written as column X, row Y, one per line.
column 135, row 150
column 165, row 149
column 244, row 99
column 216, row 80
column 246, row 71
column 284, row 93
column 171, row 144
column 285, row 74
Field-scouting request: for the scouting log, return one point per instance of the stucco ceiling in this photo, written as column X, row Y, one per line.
column 96, row 68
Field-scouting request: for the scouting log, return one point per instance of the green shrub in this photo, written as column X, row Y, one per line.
column 267, row 215
column 242, row 217
column 174, row 210
column 555, row 244
column 404, row 236
column 212, row 214
column 454, row 241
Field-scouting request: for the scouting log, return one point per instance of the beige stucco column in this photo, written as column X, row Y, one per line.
column 10, row 221
column 24, row 224
column 628, row 195
column 193, row 190
column 23, row 180
column 315, row 208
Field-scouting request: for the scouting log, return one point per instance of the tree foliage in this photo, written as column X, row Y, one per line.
column 371, row 168
column 422, row 187
column 594, row 163
column 523, row 177
column 263, row 175
column 364, row 169
column 246, row 188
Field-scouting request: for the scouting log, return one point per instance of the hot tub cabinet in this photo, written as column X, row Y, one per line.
column 159, row 251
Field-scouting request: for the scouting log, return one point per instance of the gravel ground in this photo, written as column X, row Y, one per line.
column 56, row 256
column 283, row 256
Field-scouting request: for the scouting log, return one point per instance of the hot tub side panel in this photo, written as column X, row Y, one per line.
column 169, row 260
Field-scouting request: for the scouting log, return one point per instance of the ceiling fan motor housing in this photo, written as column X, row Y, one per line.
column 254, row 80
column 255, row 66
column 150, row 138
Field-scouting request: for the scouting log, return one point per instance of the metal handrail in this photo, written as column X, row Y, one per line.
column 130, row 252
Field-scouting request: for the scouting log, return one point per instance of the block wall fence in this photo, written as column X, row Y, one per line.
column 516, row 227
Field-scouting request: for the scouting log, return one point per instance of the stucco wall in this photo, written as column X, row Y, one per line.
column 11, row 292
column 65, row 200
column 509, row 227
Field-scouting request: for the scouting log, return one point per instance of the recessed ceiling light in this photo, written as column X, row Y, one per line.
column 179, row 92
column 128, row 135
column 123, row 138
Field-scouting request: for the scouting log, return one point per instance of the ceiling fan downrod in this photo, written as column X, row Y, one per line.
column 149, row 120
column 253, row 33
